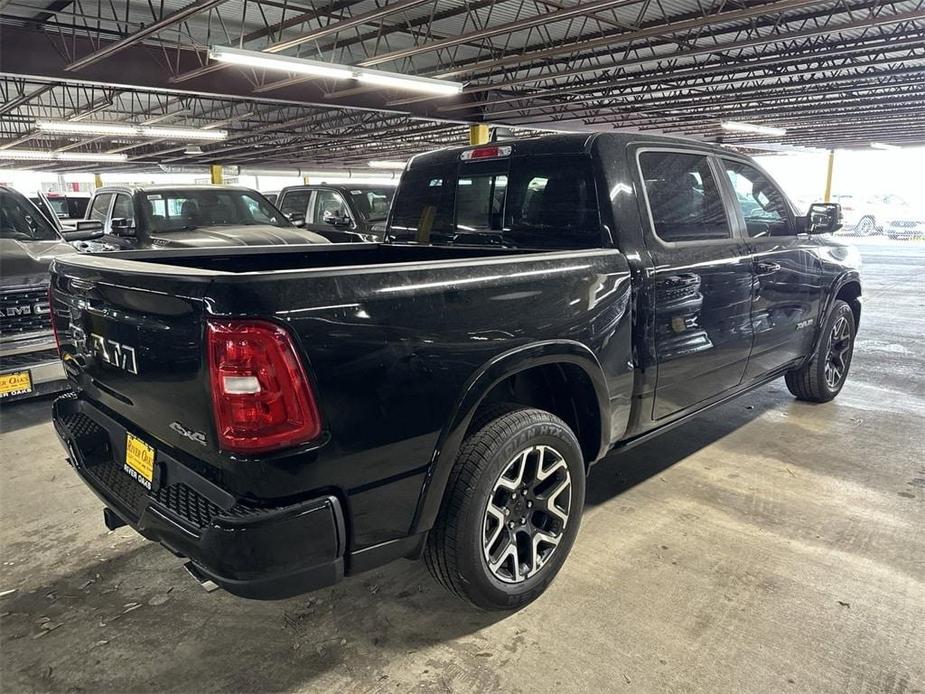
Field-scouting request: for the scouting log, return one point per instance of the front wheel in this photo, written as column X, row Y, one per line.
column 511, row 510
column 822, row 377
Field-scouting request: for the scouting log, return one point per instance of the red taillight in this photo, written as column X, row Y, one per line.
column 260, row 394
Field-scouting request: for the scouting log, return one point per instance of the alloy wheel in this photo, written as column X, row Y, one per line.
column 836, row 363
column 526, row 514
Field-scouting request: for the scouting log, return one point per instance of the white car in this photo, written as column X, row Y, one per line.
column 910, row 225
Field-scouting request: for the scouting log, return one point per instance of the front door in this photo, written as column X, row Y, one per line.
column 788, row 281
column 701, row 282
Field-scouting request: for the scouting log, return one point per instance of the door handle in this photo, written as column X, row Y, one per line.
column 767, row 267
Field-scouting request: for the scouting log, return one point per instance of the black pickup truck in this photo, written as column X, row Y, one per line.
column 286, row 416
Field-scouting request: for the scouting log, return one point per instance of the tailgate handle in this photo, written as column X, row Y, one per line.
column 767, row 267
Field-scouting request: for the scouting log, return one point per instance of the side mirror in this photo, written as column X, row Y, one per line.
column 337, row 220
column 823, row 218
column 86, row 230
column 122, row 227
column 296, row 219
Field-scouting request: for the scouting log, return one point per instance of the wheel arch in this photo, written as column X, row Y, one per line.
column 846, row 287
column 574, row 358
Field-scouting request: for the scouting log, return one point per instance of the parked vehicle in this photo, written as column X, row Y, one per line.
column 29, row 363
column 66, row 207
column 868, row 218
column 341, row 213
column 286, row 416
column 907, row 225
column 170, row 216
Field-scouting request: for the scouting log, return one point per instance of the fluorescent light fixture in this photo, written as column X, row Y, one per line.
column 239, row 56
column 39, row 155
column 408, row 82
column 270, row 61
column 382, row 164
column 85, row 128
column 128, row 130
column 752, row 128
column 882, row 145
column 181, row 133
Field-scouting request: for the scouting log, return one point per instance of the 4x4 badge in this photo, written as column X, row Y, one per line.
column 196, row 436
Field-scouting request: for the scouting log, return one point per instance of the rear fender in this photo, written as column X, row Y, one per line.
column 478, row 386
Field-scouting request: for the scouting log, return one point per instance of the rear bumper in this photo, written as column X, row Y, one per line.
column 40, row 358
column 252, row 551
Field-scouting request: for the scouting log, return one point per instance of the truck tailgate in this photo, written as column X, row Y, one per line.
column 132, row 342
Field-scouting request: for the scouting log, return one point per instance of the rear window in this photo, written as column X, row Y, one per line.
column 521, row 202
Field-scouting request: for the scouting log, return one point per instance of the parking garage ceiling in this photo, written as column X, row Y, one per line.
column 832, row 74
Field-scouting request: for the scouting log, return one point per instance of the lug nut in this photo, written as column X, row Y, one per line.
column 511, row 524
column 529, row 504
column 524, row 492
column 523, row 521
column 507, row 512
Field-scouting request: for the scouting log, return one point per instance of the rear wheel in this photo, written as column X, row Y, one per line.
column 822, row 377
column 511, row 510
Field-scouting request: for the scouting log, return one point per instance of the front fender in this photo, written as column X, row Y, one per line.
column 473, row 393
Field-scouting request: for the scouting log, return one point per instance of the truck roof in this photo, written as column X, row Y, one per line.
column 562, row 143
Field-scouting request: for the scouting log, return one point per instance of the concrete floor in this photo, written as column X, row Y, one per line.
column 769, row 546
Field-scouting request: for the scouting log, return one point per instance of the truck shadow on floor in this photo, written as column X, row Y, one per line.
column 21, row 415
column 621, row 471
column 136, row 621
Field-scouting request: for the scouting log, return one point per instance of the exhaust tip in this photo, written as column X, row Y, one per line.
column 207, row 583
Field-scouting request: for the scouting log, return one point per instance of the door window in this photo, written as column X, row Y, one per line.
column 295, row 202
column 684, row 200
column 21, row 222
column 763, row 206
column 329, row 205
column 123, row 209
column 100, row 207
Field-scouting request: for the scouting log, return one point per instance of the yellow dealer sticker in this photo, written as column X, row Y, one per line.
column 15, row 383
column 139, row 460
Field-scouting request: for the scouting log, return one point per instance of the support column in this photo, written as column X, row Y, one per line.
column 478, row 134
column 828, row 177
column 216, row 171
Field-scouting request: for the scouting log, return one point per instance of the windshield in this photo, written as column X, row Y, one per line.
column 22, row 222
column 546, row 201
column 372, row 203
column 182, row 210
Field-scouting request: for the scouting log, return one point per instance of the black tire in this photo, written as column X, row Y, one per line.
column 456, row 552
column 821, row 378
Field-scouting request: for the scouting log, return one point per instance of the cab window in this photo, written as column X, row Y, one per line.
column 123, row 209
column 763, row 205
column 684, row 200
column 295, row 202
column 100, row 207
column 329, row 205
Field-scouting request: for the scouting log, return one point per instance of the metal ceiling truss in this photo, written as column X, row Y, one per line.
column 831, row 72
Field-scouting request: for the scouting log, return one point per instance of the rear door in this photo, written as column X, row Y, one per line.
column 788, row 277
column 701, row 281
